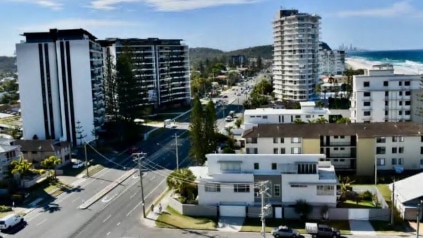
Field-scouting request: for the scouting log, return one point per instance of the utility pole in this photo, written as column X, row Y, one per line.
column 86, row 159
column 138, row 157
column 419, row 207
column 176, row 151
column 264, row 208
column 393, row 202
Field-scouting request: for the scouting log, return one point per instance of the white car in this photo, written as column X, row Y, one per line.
column 10, row 221
column 78, row 164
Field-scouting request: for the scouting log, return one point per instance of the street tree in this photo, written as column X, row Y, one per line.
column 210, row 127
column 110, row 86
column 51, row 163
column 198, row 149
column 182, row 182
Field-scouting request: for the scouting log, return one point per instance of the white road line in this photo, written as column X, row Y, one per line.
column 75, row 200
column 133, row 195
column 41, row 222
column 107, row 218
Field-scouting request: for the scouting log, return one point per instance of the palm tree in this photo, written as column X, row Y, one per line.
column 182, row 181
column 51, row 162
column 21, row 167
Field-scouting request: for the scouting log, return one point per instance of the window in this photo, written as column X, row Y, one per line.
column 366, row 113
column 380, row 150
column 295, row 140
column 274, row 166
column 275, row 150
column 295, row 150
column 399, row 161
column 366, row 104
column 366, row 84
column 421, row 162
column 252, row 151
column 230, row 166
column 400, row 83
column 283, row 151
column 380, row 140
column 264, row 117
column 276, row 190
column 298, row 186
column 275, row 140
column 380, row 161
column 394, row 161
column 407, row 83
column 256, row 166
column 212, row 187
column 251, row 140
column 366, row 94
column 407, row 93
column 306, row 168
column 421, row 150
column 325, row 190
column 397, row 139
column 394, row 150
column 401, row 150
column 282, row 140
column 241, row 188
column 386, row 93
column 385, row 83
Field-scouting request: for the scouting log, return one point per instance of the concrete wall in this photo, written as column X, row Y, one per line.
column 311, row 146
column 194, row 210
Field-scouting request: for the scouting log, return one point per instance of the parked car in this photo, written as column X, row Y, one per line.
column 284, row 231
column 229, row 118
column 10, row 220
column 78, row 164
column 321, row 230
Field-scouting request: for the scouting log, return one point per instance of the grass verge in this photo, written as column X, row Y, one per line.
column 173, row 219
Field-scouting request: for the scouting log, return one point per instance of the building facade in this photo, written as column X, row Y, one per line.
column 8, row 152
column 60, row 75
column 382, row 96
column 295, row 54
column 362, row 148
column 331, row 62
column 308, row 112
column 161, row 68
column 232, row 179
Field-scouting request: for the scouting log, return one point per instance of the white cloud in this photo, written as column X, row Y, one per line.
column 170, row 5
column 52, row 4
column 72, row 23
column 395, row 10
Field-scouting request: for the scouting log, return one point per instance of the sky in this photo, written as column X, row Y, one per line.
column 219, row 24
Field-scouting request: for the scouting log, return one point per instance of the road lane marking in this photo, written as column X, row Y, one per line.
column 107, row 199
column 41, row 222
column 75, row 200
column 108, row 233
column 107, row 218
column 133, row 195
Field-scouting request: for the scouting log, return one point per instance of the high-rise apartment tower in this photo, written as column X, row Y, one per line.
column 295, row 55
column 60, row 75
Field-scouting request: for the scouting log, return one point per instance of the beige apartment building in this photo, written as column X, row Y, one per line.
column 354, row 147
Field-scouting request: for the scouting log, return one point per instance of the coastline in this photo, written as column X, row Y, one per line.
column 357, row 63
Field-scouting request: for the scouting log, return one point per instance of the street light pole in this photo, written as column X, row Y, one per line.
column 419, row 207
column 177, row 154
column 138, row 157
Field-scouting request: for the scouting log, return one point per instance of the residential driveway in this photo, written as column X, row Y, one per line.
column 361, row 228
column 233, row 224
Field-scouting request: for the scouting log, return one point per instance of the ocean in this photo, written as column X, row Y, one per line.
column 409, row 60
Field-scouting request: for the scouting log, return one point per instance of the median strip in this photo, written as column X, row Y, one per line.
column 107, row 189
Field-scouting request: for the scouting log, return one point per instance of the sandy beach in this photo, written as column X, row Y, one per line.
column 363, row 64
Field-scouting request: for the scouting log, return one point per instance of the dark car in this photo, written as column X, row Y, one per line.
column 284, row 231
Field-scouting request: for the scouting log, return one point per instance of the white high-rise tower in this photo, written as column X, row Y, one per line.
column 295, row 54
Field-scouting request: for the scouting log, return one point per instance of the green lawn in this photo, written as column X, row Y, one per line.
column 172, row 219
column 354, row 204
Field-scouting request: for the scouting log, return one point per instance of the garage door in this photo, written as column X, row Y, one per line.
column 232, row 211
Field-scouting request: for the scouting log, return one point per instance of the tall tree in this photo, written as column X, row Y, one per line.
column 126, row 86
column 182, row 181
column 110, row 86
column 51, row 163
column 210, row 127
column 196, row 132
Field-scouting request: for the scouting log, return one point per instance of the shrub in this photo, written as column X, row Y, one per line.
column 5, row 208
column 367, row 196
